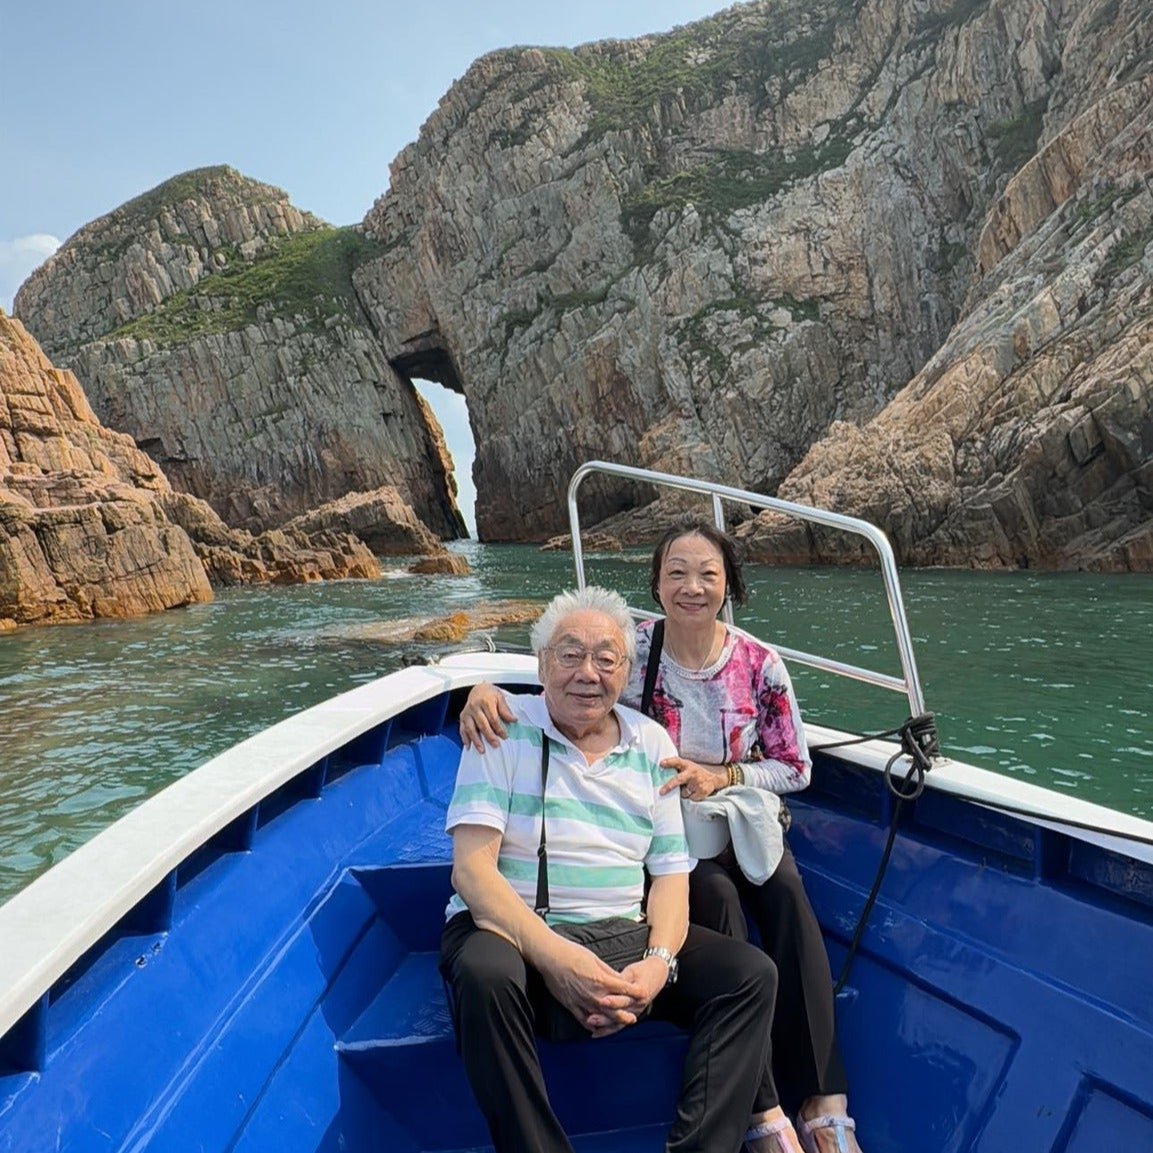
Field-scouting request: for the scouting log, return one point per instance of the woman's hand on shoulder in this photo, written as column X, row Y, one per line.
column 484, row 716
column 694, row 781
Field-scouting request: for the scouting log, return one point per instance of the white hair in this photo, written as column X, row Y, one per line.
column 591, row 598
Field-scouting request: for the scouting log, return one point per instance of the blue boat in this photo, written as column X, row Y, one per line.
column 247, row 961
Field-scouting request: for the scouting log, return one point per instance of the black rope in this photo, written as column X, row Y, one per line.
column 918, row 743
column 921, row 730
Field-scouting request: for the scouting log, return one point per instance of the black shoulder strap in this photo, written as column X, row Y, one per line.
column 542, row 852
column 651, row 669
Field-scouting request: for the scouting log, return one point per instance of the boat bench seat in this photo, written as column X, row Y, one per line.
column 403, row 1049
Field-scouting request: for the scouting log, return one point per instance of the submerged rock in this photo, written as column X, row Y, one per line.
column 456, row 626
column 443, row 563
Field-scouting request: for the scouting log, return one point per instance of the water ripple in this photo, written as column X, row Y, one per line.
column 1031, row 675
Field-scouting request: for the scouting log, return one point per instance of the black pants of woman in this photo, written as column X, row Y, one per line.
column 806, row 1058
column 724, row 993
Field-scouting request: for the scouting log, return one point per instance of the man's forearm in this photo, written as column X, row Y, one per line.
column 491, row 900
column 667, row 911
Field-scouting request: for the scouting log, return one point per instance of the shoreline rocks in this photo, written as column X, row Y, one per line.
column 90, row 527
column 83, row 532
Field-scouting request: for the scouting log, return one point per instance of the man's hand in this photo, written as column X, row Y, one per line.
column 599, row 997
column 648, row 977
column 484, row 716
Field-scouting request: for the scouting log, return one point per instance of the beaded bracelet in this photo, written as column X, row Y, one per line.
column 736, row 775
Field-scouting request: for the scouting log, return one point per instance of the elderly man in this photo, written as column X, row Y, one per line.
column 607, row 823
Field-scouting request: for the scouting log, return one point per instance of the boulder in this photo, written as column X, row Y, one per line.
column 277, row 556
column 442, row 564
column 381, row 518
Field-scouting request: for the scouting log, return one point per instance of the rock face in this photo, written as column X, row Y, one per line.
column 83, row 532
column 1028, row 438
column 890, row 256
column 216, row 324
column 90, row 527
column 381, row 519
column 705, row 252
column 290, row 555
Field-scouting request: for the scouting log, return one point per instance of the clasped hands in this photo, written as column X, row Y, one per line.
column 601, row 999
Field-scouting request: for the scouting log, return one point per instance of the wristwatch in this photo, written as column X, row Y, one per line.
column 668, row 958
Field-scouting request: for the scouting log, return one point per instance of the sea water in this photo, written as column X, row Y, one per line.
column 1042, row 676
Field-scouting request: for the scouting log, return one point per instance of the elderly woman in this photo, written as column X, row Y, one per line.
column 510, row 966
column 729, row 706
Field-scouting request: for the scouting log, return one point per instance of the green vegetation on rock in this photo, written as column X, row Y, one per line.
column 1109, row 200
column 557, row 304
column 731, row 181
column 950, row 253
column 1127, row 253
column 931, row 25
column 732, row 51
column 201, row 183
column 700, row 332
column 763, row 54
column 308, row 275
column 1015, row 140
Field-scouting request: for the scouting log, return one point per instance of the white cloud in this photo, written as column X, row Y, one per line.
column 20, row 257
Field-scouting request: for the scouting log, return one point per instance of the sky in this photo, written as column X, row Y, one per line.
column 101, row 101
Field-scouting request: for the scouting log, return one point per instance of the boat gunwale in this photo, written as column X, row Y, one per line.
column 51, row 923
column 1039, row 805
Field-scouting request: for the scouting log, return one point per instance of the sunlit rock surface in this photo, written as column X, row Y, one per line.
column 889, row 255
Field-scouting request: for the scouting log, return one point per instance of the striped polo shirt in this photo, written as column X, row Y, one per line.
column 606, row 821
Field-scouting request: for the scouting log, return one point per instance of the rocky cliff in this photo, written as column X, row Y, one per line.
column 90, row 527
column 712, row 250
column 1028, row 438
column 216, row 324
column 890, row 256
column 82, row 530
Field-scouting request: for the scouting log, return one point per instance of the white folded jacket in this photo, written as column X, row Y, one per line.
column 749, row 817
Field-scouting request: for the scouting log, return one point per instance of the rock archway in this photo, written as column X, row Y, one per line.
column 428, row 367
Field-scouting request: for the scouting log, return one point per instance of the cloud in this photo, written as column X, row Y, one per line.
column 20, row 257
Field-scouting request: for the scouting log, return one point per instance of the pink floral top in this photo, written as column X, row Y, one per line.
column 741, row 709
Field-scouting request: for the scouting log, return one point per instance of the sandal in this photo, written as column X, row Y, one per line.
column 782, row 1130
column 839, row 1124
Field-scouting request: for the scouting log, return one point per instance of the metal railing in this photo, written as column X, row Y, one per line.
column 909, row 683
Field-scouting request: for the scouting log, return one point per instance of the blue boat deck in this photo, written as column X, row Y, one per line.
column 1002, row 999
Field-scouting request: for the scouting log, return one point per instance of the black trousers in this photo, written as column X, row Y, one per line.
column 807, row 1060
column 723, row 997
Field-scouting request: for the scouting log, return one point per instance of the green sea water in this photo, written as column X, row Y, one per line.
column 1041, row 676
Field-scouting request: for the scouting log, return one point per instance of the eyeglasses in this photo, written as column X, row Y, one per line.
column 573, row 656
